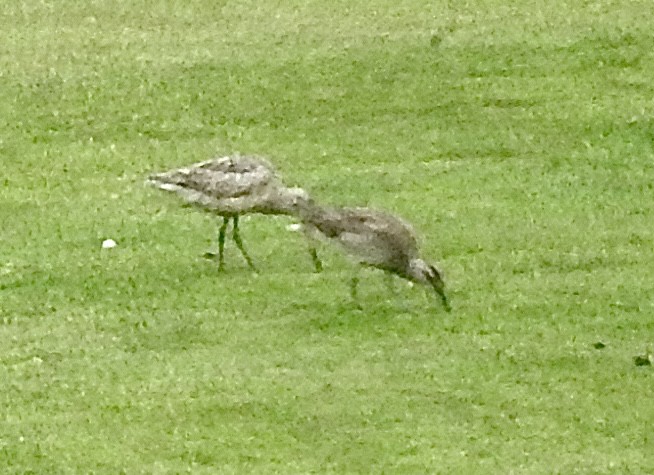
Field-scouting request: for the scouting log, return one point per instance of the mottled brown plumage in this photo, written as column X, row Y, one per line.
column 376, row 239
column 229, row 187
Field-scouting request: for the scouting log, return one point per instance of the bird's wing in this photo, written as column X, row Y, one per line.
column 215, row 183
column 382, row 224
column 224, row 205
column 367, row 248
column 237, row 164
column 369, row 236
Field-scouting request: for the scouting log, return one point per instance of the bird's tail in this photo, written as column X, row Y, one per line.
column 169, row 181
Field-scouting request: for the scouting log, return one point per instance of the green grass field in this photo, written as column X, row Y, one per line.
column 518, row 138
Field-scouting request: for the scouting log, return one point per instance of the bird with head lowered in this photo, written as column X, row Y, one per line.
column 375, row 239
column 230, row 187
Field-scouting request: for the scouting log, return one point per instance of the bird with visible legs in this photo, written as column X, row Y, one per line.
column 375, row 239
column 232, row 186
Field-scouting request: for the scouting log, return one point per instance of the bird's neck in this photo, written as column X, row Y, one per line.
column 280, row 201
column 311, row 213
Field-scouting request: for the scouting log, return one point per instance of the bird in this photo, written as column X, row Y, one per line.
column 231, row 186
column 375, row 239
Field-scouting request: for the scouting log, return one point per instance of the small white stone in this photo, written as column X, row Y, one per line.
column 295, row 227
column 108, row 244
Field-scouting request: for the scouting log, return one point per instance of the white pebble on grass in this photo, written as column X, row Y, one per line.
column 108, row 244
column 294, row 227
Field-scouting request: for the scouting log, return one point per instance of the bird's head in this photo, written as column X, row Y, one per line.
column 425, row 273
column 298, row 194
column 295, row 200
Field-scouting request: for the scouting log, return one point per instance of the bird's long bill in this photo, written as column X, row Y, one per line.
column 440, row 290
column 446, row 303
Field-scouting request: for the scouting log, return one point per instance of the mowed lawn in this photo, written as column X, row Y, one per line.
column 516, row 136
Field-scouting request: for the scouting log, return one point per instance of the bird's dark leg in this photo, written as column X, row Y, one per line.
column 317, row 263
column 221, row 243
column 239, row 244
column 354, row 283
column 316, row 260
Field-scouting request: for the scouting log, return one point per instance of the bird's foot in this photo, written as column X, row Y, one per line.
column 210, row 255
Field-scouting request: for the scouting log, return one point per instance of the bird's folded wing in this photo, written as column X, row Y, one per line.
column 215, row 184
